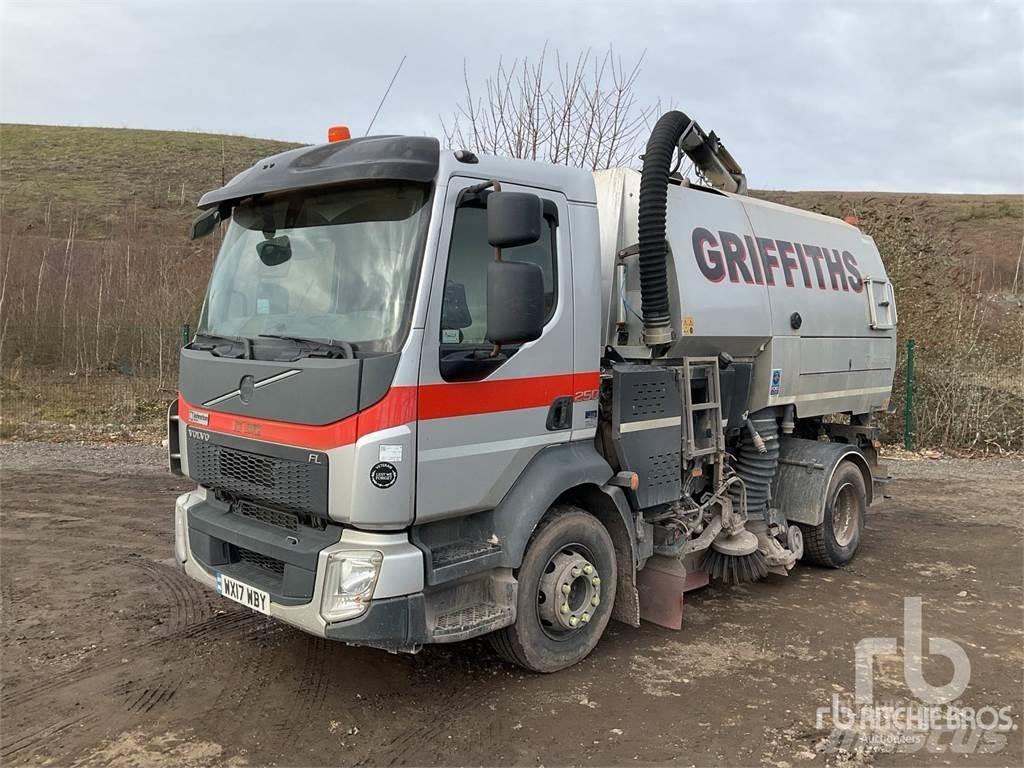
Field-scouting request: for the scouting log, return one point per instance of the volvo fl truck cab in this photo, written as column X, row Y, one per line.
column 434, row 395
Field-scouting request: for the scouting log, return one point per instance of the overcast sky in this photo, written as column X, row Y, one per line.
column 905, row 96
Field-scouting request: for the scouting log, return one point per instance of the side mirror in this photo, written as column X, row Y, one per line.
column 205, row 223
column 275, row 251
column 515, row 302
column 513, row 218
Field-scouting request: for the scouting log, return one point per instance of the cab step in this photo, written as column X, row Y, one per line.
column 460, row 558
column 471, row 621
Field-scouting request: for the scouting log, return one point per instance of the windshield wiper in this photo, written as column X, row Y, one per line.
column 317, row 347
column 244, row 341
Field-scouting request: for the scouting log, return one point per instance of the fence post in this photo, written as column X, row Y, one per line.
column 908, row 399
column 186, row 334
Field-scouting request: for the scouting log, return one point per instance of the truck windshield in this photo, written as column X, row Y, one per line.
column 337, row 265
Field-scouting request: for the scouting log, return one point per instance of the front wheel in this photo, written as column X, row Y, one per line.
column 834, row 542
column 566, row 591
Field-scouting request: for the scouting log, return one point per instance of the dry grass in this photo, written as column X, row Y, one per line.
column 42, row 404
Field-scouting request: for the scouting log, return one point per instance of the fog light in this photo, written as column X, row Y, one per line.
column 348, row 584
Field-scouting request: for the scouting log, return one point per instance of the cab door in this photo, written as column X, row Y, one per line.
column 482, row 418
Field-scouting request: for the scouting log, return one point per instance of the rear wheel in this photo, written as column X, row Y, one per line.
column 566, row 590
column 834, row 542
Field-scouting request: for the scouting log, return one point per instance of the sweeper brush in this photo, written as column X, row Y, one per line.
column 735, row 569
column 735, row 558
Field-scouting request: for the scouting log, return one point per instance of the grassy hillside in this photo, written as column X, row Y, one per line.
column 982, row 232
column 108, row 173
column 98, row 275
column 953, row 259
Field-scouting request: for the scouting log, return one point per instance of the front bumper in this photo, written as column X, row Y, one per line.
column 395, row 619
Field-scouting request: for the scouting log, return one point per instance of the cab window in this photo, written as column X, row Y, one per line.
column 464, row 307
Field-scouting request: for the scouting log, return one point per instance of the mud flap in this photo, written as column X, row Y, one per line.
column 627, row 599
column 662, row 584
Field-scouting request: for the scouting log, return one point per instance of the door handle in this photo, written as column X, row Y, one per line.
column 560, row 414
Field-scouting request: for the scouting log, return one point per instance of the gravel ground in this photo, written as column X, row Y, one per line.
column 88, row 457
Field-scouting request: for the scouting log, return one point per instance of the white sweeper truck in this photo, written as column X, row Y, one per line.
column 434, row 395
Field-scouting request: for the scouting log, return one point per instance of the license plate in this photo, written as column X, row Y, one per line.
column 248, row 596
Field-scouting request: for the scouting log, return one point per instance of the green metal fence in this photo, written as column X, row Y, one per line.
column 956, row 402
column 908, row 399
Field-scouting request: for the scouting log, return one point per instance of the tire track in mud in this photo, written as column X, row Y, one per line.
column 135, row 697
column 190, row 602
column 408, row 747
column 247, row 679
column 142, row 696
column 189, row 619
column 215, row 628
column 7, row 601
column 308, row 699
column 45, row 735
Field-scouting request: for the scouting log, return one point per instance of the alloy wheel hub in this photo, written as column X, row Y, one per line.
column 570, row 592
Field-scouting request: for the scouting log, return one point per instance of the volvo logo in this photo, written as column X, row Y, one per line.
column 248, row 385
column 245, row 389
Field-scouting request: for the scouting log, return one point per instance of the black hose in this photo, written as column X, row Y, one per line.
column 653, row 246
column 757, row 467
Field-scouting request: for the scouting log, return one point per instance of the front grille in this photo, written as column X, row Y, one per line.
column 260, row 561
column 267, row 515
column 291, row 485
column 247, row 468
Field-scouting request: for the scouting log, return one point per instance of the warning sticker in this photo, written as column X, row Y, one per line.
column 687, row 325
column 776, row 388
column 390, row 453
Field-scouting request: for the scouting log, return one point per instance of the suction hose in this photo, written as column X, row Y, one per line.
column 652, row 208
column 756, row 463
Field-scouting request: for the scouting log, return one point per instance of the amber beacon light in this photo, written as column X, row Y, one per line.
column 338, row 133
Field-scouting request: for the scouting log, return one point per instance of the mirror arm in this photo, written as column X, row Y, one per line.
column 476, row 192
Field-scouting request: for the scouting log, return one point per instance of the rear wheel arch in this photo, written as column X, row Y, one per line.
column 806, row 470
column 860, row 461
column 834, row 542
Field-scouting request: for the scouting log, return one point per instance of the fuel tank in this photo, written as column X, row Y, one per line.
column 803, row 296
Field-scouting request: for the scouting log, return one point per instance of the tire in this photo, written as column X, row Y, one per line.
column 563, row 537
column 834, row 542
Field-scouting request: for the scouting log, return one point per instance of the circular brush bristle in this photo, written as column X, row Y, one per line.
column 735, row 570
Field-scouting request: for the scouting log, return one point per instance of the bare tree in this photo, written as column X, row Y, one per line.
column 583, row 113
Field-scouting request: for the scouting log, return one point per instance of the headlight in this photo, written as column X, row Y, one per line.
column 348, row 584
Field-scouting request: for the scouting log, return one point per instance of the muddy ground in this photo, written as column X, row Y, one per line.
column 112, row 657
